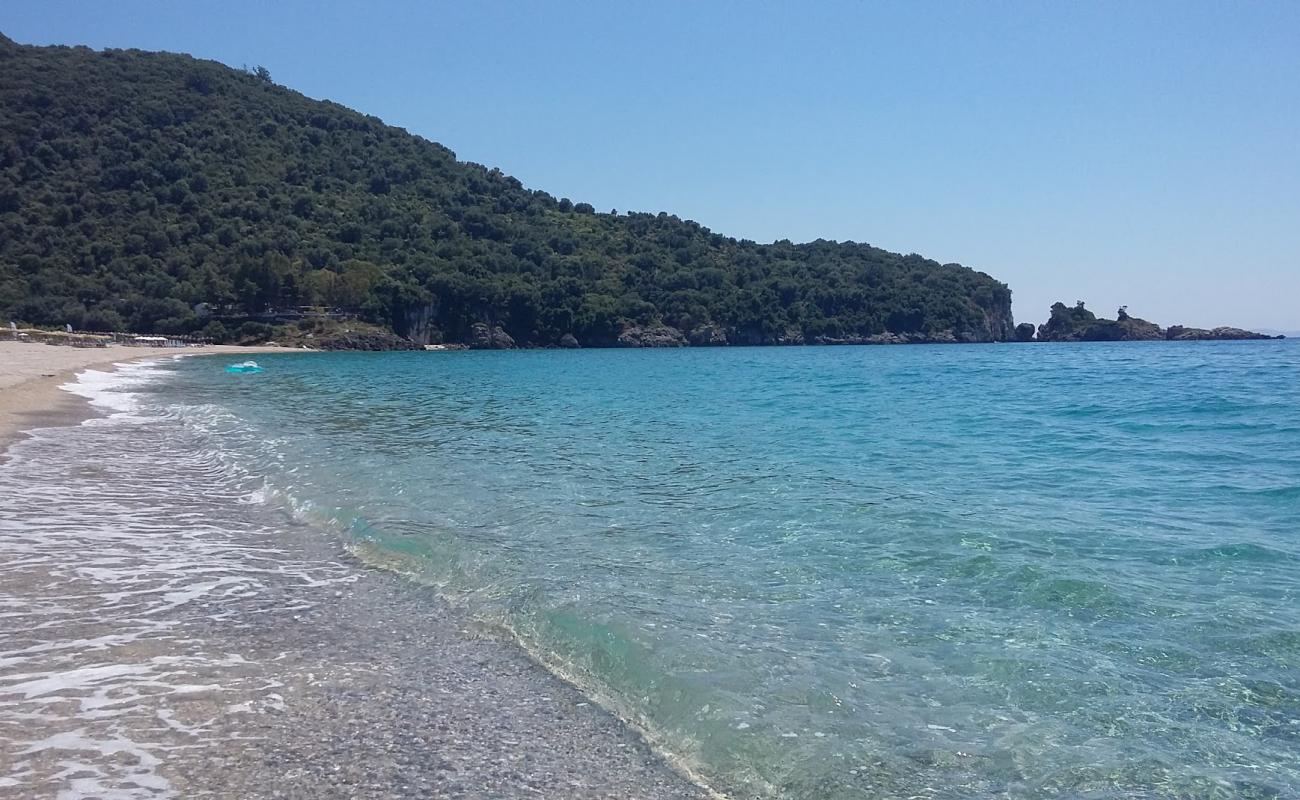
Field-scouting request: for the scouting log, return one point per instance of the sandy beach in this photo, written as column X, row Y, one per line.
column 165, row 638
column 31, row 374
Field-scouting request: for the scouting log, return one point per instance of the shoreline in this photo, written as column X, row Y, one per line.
column 362, row 684
column 31, row 375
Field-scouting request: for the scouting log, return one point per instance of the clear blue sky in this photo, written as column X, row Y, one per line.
column 1142, row 153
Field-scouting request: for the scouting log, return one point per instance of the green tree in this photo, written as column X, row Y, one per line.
column 141, row 184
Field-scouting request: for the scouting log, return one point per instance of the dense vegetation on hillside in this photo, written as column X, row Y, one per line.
column 158, row 192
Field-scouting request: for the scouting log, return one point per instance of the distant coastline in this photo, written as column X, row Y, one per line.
column 370, row 238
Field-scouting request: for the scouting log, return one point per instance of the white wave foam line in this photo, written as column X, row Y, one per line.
column 112, row 391
column 120, row 550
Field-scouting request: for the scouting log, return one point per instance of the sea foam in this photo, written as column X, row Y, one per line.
column 123, row 550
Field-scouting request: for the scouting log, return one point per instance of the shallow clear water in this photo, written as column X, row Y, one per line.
column 839, row 572
column 127, row 549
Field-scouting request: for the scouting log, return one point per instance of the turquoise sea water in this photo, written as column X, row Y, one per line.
column 927, row 571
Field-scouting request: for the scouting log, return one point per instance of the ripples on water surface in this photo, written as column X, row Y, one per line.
column 823, row 573
column 122, row 542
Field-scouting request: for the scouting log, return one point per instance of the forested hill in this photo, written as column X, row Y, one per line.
column 157, row 192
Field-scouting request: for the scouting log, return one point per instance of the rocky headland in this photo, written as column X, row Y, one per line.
column 163, row 194
column 1078, row 324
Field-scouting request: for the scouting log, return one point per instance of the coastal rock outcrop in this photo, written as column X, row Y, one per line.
column 363, row 340
column 708, row 336
column 1078, row 324
column 483, row 337
column 1182, row 334
column 888, row 337
column 748, row 336
column 998, row 325
column 754, row 337
column 419, row 323
column 656, row 335
column 569, row 342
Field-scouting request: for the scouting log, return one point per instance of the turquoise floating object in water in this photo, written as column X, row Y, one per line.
column 247, row 366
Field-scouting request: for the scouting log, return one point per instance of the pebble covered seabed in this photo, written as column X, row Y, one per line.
column 146, row 652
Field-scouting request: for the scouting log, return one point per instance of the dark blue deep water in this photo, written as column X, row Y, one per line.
column 926, row 571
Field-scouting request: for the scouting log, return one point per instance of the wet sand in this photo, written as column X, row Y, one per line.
column 146, row 652
column 31, row 374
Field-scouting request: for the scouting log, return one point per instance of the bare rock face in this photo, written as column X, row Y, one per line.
column 999, row 325
column 363, row 340
column 569, row 342
column 755, row 337
column 482, row 337
column 889, row 337
column 657, row 335
column 1181, row 334
column 708, row 336
column 418, row 324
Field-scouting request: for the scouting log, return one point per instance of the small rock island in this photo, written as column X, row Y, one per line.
column 1078, row 324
